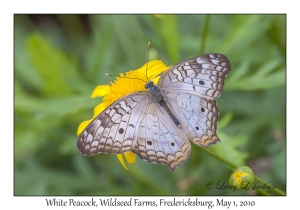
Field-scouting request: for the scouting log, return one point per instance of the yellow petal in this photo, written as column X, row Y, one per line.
column 239, row 175
column 98, row 109
column 120, row 157
column 155, row 80
column 155, row 68
column 130, row 157
column 100, row 90
column 82, row 126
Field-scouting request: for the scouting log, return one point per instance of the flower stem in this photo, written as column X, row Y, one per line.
column 204, row 35
column 233, row 167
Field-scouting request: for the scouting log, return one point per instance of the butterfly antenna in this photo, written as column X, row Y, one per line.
column 147, row 61
column 111, row 75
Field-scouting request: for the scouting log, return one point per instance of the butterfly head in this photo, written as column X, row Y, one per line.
column 149, row 85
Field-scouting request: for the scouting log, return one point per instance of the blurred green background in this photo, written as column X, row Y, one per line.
column 60, row 59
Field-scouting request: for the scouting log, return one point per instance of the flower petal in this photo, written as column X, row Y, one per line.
column 155, row 80
column 120, row 158
column 82, row 126
column 100, row 90
column 98, row 109
column 130, row 157
column 155, row 68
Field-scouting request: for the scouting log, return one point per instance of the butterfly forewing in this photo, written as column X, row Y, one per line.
column 203, row 76
column 114, row 130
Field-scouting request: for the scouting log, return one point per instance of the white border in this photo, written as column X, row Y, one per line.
column 154, row 6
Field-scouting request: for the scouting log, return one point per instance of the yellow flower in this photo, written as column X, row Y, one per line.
column 158, row 16
column 242, row 178
column 121, row 87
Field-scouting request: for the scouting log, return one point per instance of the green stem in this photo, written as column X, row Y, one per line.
column 228, row 163
column 204, row 35
column 233, row 167
column 262, row 192
column 277, row 190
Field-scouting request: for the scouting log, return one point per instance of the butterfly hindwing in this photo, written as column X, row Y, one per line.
column 159, row 140
column 198, row 116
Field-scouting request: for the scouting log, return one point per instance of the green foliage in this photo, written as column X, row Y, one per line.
column 60, row 59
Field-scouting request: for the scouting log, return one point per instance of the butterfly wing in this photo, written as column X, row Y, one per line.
column 135, row 123
column 114, row 130
column 190, row 89
column 159, row 140
column 203, row 76
column 198, row 117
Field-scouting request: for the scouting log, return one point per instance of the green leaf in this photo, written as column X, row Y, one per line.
column 169, row 32
column 270, row 75
column 224, row 121
column 53, row 66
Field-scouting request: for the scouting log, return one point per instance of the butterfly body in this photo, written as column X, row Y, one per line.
column 156, row 96
column 158, row 124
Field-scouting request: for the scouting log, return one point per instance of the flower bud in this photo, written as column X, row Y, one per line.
column 242, row 178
